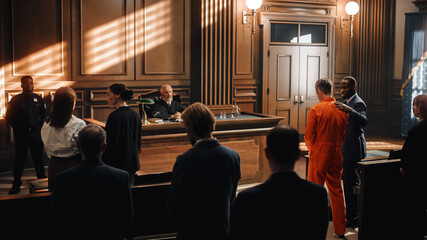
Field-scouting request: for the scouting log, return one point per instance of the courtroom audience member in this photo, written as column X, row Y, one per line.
column 123, row 131
column 25, row 113
column 204, row 180
column 59, row 134
column 285, row 206
column 414, row 169
column 354, row 145
column 92, row 200
column 324, row 135
column 166, row 107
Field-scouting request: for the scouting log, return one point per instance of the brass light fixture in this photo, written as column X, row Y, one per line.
column 351, row 8
column 253, row 5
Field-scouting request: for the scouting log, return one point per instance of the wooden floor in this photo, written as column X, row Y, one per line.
column 300, row 169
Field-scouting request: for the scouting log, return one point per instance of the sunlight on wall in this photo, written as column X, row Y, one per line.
column 113, row 43
column 44, row 62
column 106, row 46
column 209, row 16
column 48, row 63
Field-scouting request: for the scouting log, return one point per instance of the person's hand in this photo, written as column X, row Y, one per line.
column 345, row 108
column 176, row 116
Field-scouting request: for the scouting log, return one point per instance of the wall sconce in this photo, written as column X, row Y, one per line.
column 253, row 5
column 351, row 8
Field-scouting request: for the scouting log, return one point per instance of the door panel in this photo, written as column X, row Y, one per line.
column 283, row 83
column 293, row 72
column 314, row 64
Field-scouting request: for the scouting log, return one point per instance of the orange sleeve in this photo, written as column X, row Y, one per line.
column 310, row 130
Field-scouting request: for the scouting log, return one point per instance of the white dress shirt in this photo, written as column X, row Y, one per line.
column 62, row 142
column 347, row 101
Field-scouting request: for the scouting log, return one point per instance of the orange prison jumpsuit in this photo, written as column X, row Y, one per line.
column 326, row 126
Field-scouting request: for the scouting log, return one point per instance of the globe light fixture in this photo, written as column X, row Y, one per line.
column 253, row 5
column 351, row 8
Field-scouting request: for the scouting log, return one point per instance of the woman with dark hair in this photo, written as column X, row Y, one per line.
column 123, row 131
column 59, row 134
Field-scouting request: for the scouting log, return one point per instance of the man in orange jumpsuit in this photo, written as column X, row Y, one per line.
column 326, row 126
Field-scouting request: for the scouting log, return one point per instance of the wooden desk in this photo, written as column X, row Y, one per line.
column 162, row 143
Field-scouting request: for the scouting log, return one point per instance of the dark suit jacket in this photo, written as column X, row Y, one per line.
column 26, row 113
column 91, row 200
column 162, row 110
column 123, row 140
column 284, row 207
column 414, row 167
column 414, row 159
column 354, row 145
column 204, row 182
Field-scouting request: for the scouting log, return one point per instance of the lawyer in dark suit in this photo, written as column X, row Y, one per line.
column 354, row 145
column 166, row 107
column 92, row 200
column 204, row 180
column 123, row 131
column 414, row 168
column 285, row 206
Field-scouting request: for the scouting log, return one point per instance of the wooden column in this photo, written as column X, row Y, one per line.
column 216, row 24
column 374, row 59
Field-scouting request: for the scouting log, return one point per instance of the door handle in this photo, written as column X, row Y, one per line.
column 296, row 99
column 301, row 99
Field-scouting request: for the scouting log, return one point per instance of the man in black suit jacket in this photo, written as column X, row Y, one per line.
column 92, row 200
column 285, row 206
column 354, row 145
column 414, row 168
column 166, row 107
column 204, row 180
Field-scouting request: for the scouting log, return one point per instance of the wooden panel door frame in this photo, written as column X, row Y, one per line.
column 265, row 20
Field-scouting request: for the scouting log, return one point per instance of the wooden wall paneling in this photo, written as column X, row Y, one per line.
column 40, row 43
column 373, row 54
column 159, row 152
column 98, row 95
column 216, row 51
column 244, row 43
column 101, row 112
column 79, row 112
column 245, row 94
column 162, row 39
column 343, row 45
column 103, row 41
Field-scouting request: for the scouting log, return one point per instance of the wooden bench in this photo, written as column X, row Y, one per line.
column 27, row 216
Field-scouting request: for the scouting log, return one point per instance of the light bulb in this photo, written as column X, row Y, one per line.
column 253, row 4
column 351, row 8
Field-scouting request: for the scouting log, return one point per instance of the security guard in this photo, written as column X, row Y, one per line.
column 25, row 113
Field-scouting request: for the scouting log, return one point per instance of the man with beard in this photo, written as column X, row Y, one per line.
column 166, row 107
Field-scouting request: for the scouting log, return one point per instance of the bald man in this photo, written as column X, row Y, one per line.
column 166, row 108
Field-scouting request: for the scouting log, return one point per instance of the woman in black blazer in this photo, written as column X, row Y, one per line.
column 123, row 131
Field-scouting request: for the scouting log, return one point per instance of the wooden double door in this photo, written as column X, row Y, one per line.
column 292, row 74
